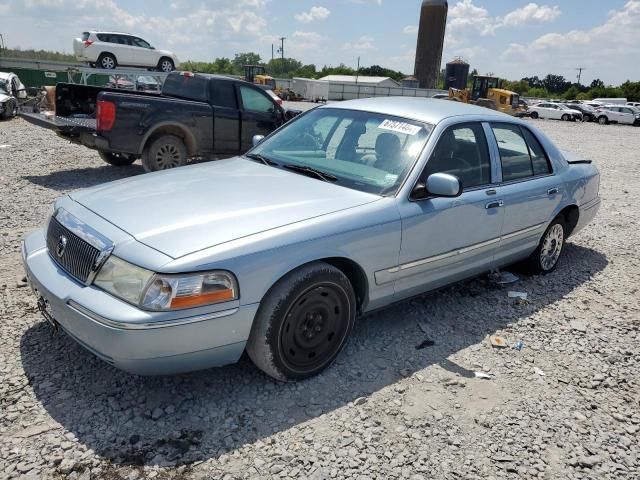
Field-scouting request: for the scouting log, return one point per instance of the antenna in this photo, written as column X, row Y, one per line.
column 580, row 69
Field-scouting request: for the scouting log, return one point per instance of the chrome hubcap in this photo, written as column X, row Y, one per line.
column 551, row 247
column 167, row 156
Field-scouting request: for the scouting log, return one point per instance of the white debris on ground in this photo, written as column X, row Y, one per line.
column 565, row 404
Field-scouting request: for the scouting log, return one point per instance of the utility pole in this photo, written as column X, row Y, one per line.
column 272, row 52
column 358, row 70
column 282, row 39
column 580, row 69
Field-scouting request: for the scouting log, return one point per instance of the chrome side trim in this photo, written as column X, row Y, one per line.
column 524, row 231
column 148, row 325
column 395, row 273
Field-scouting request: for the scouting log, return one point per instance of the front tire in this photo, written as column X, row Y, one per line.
column 117, row 159
column 303, row 322
column 10, row 110
column 565, row 118
column 167, row 151
column 603, row 120
column 534, row 115
column 166, row 65
column 546, row 257
column 107, row 61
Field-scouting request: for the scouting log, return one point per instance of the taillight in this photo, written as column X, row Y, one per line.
column 88, row 42
column 105, row 115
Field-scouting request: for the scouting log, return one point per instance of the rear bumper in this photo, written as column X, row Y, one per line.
column 133, row 340
column 94, row 141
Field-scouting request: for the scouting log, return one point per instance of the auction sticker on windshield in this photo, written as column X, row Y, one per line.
column 400, row 127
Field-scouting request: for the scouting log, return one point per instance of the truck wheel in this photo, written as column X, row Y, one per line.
column 545, row 258
column 107, row 61
column 117, row 159
column 303, row 322
column 167, row 151
column 166, row 65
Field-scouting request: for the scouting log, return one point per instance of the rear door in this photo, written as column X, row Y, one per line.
column 529, row 188
column 626, row 115
column 226, row 117
column 259, row 115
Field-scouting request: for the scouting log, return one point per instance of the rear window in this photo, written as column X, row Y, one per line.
column 85, row 36
column 223, row 94
column 186, row 86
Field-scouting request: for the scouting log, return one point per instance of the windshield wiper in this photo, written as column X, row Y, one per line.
column 327, row 177
column 261, row 158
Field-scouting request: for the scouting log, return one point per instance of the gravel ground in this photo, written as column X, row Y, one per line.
column 566, row 406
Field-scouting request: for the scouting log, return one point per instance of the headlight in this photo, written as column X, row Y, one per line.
column 157, row 291
column 170, row 292
column 123, row 279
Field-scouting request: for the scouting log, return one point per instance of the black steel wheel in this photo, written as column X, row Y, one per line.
column 167, row 151
column 303, row 322
column 534, row 115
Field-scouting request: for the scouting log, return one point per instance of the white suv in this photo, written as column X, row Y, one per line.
column 109, row 49
column 618, row 114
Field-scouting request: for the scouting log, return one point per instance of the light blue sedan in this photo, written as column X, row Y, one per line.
column 350, row 207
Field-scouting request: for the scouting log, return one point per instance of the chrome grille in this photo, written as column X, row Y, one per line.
column 78, row 257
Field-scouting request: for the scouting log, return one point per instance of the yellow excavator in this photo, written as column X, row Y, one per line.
column 486, row 92
column 258, row 75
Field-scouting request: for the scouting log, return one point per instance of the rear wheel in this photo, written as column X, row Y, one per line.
column 303, row 322
column 117, row 159
column 107, row 61
column 534, row 115
column 602, row 120
column 166, row 65
column 565, row 117
column 167, row 151
column 545, row 258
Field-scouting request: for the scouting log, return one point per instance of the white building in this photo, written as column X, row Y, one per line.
column 361, row 80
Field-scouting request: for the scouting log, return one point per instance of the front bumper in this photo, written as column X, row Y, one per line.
column 137, row 341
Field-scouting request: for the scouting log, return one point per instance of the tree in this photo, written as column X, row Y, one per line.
column 572, row 93
column 555, row 83
column 631, row 90
column 533, row 82
column 378, row 71
column 283, row 67
column 597, row 83
column 242, row 59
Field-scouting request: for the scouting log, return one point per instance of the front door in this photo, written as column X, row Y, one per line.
column 259, row 115
column 530, row 190
column 448, row 239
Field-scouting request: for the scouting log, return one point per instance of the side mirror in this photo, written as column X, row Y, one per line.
column 257, row 139
column 290, row 113
column 444, row 185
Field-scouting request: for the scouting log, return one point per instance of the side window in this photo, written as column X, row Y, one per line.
column 255, row 100
column 462, row 151
column 514, row 153
column 539, row 160
column 503, row 100
column 223, row 94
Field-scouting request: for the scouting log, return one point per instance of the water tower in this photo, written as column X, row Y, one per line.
column 433, row 19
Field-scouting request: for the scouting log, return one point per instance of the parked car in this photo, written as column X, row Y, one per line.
column 348, row 208
column 146, row 83
column 120, row 82
column 108, row 50
column 633, row 104
column 588, row 113
column 617, row 114
column 11, row 91
column 556, row 111
column 197, row 115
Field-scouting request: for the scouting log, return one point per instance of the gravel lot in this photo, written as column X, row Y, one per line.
column 566, row 406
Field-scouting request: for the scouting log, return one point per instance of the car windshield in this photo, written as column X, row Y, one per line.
column 370, row 152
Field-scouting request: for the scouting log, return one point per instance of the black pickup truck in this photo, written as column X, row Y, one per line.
column 196, row 115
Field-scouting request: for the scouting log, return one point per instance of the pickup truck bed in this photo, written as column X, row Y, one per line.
column 196, row 115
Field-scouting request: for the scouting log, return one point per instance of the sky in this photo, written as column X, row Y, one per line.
column 511, row 39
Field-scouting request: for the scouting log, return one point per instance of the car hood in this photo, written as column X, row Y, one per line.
column 187, row 209
column 167, row 53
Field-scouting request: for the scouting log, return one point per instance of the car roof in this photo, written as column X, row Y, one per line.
column 110, row 32
column 428, row 110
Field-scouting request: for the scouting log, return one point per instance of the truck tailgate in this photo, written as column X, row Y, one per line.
column 62, row 125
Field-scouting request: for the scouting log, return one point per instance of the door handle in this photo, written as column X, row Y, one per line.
column 553, row 191
column 491, row 191
column 494, row 204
